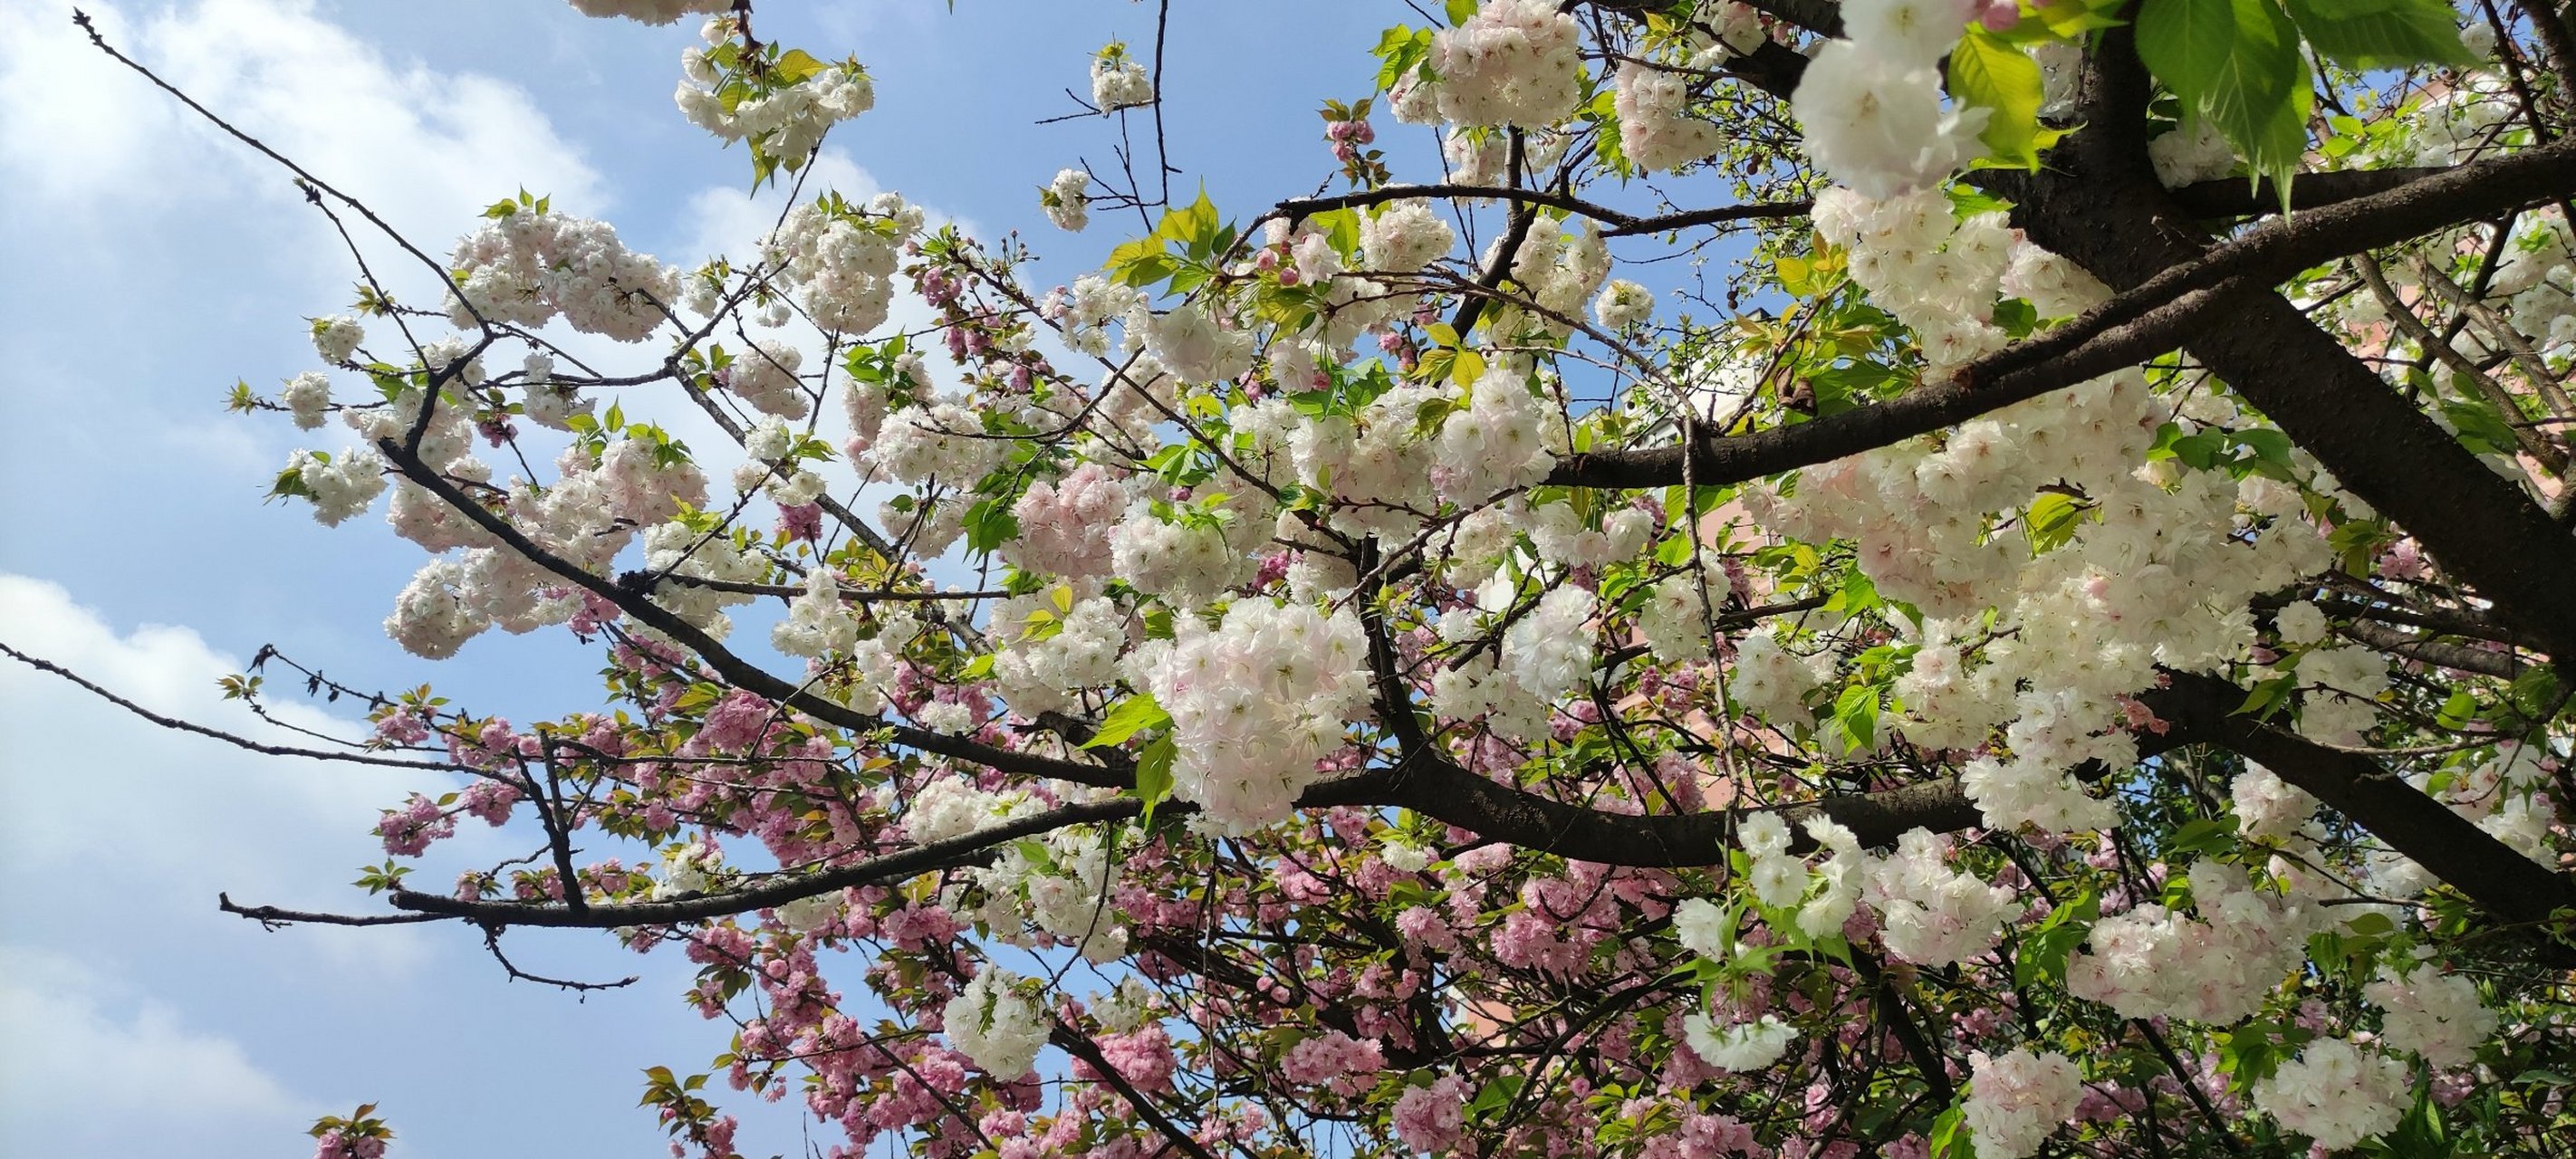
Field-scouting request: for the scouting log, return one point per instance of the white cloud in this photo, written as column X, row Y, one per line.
column 130, row 1006
column 119, row 816
column 78, row 125
column 92, row 1069
column 160, row 235
column 424, row 148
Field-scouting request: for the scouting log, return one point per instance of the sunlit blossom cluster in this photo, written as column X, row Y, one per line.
column 1256, row 701
column 1871, row 104
column 1514, row 63
column 529, row 266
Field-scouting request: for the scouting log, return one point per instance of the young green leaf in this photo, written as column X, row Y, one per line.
column 1154, row 773
column 1991, row 74
column 2237, row 63
column 2368, row 34
column 1133, row 715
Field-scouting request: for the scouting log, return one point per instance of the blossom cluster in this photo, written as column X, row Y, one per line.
column 2336, row 1092
column 2017, row 1099
column 1871, row 104
column 529, row 266
column 1256, row 701
column 2219, row 967
column 785, row 121
column 1513, row 63
column 991, row 1022
column 840, row 258
column 1656, row 130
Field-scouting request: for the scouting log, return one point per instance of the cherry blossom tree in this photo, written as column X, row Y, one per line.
column 2041, row 631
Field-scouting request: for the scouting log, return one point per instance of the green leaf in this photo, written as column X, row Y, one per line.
column 1496, row 1095
column 290, row 485
column 988, row 524
column 2369, row 34
column 2052, row 520
column 2206, row 836
column 1154, row 773
column 1193, row 225
column 2200, row 452
column 796, row 65
column 1400, row 50
column 2044, row 950
column 2268, row 445
column 1950, row 1138
column 2237, row 63
column 1139, row 263
column 2535, row 692
column 1133, row 715
column 2481, row 424
column 1458, row 11
column 2249, row 1054
column 1857, row 709
column 1467, row 367
column 1341, row 227
column 1797, row 274
column 1993, row 75
column 2267, row 697
column 2072, row 18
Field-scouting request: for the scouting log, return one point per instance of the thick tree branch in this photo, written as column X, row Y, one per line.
column 1718, row 460
column 2229, row 196
column 976, row 848
column 2151, row 316
column 2502, row 665
column 272, row 917
column 2275, row 250
column 1080, row 1046
column 642, row 580
column 2490, row 873
column 2360, row 599
column 1445, row 792
column 2503, row 333
column 1822, row 17
column 2105, row 212
column 1621, row 222
column 2402, row 315
column 1900, row 1022
column 1300, row 208
column 1772, row 67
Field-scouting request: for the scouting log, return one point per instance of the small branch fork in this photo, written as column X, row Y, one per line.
column 492, row 942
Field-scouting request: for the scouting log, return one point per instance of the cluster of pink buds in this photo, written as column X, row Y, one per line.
column 1347, row 137
column 1347, row 127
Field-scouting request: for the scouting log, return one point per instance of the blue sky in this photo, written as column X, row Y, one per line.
column 151, row 263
